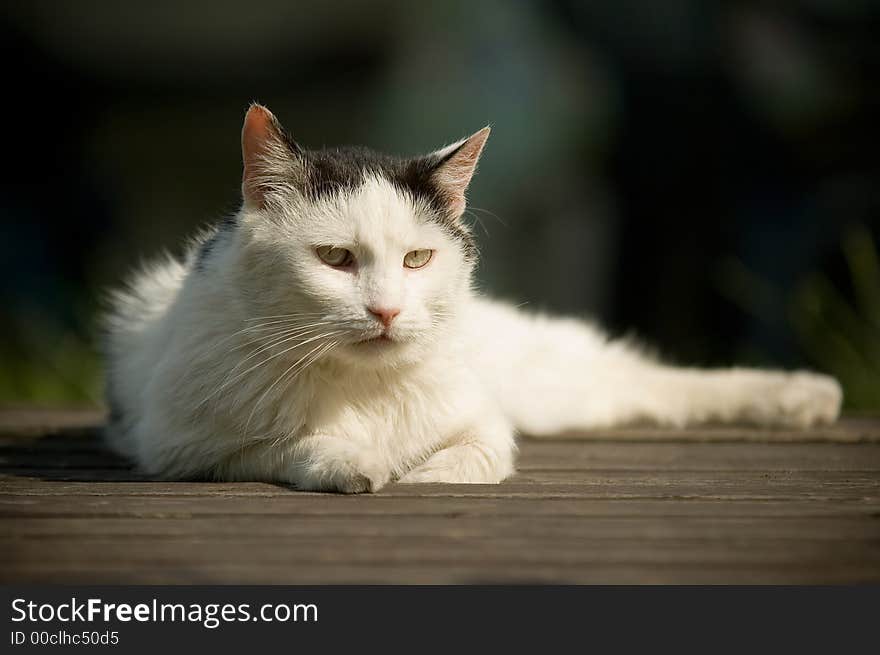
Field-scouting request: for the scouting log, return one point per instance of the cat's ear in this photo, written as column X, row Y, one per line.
column 454, row 168
column 272, row 160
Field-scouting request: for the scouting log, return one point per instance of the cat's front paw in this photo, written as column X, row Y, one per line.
column 463, row 464
column 346, row 478
column 807, row 399
column 339, row 465
column 358, row 482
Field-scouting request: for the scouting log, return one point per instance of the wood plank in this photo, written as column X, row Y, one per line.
column 250, row 572
column 64, row 442
column 849, row 429
column 829, row 485
column 28, row 421
column 89, row 453
column 295, row 506
column 96, row 549
column 12, row 461
column 292, row 556
column 537, row 528
column 584, row 456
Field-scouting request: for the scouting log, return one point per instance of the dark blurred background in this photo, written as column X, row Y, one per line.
column 699, row 174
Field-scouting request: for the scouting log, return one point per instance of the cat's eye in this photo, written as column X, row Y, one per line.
column 335, row 256
column 417, row 258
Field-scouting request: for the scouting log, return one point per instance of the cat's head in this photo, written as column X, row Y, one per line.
column 363, row 251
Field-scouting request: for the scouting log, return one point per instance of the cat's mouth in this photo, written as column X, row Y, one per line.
column 380, row 339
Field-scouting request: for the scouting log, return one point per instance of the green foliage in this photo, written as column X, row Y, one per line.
column 836, row 335
column 842, row 338
column 49, row 365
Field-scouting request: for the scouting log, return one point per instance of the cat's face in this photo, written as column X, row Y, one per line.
column 360, row 256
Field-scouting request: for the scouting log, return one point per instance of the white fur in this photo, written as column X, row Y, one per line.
column 206, row 385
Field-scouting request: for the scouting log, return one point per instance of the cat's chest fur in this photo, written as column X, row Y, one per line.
column 402, row 412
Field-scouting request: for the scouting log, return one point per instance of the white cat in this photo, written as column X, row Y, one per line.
column 329, row 336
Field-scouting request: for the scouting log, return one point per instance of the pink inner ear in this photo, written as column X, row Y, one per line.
column 455, row 174
column 253, row 139
column 258, row 133
column 257, row 128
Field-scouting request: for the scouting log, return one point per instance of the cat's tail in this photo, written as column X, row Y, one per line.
column 560, row 375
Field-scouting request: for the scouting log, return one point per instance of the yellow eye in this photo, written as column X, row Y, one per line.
column 335, row 256
column 417, row 258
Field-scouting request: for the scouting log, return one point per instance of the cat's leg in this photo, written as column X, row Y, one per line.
column 483, row 454
column 313, row 463
column 765, row 398
column 552, row 375
column 325, row 463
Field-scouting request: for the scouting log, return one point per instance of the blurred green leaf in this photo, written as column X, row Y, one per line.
column 837, row 337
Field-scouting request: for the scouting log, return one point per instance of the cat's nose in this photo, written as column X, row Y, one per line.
column 384, row 314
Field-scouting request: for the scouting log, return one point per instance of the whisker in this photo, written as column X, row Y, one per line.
column 284, row 331
column 312, row 360
column 292, row 315
column 265, row 361
column 479, row 221
column 256, row 328
column 320, row 347
column 276, row 340
column 492, row 214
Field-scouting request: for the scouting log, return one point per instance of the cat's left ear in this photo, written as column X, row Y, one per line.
column 272, row 160
column 455, row 166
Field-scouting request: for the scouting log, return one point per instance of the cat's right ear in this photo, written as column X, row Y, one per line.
column 272, row 160
column 454, row 166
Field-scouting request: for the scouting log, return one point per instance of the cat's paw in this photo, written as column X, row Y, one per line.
column 346, row 478
column 461, row 465
column 429, row 475
column 358, row 483
column 341, row 466
column 805, row 399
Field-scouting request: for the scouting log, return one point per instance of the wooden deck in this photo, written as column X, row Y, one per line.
column 640, row 506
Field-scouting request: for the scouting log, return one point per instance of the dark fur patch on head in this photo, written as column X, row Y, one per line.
column 337, row 170
column 209, row 245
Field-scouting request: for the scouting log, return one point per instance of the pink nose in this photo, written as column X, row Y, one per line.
column 384, row 314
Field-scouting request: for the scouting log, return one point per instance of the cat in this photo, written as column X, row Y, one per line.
column 329, row 336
